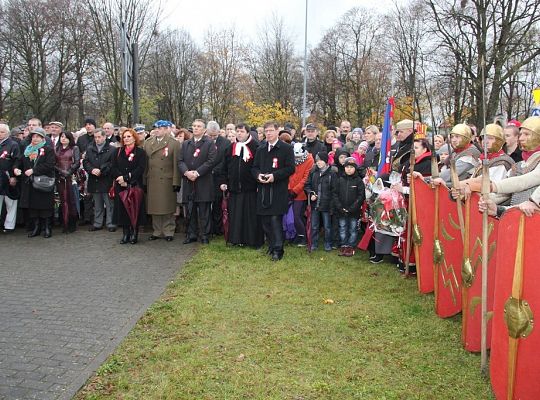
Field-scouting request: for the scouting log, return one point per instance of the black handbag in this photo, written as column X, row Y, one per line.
column 43, row 183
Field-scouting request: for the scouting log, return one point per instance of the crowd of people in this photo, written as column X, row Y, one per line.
column 278, row 185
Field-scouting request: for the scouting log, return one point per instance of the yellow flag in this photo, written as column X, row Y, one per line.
column 536, row 96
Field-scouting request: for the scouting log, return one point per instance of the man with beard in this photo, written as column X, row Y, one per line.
column 244, row 224
column 196, row 160
column 274, row 164
column 162, row 180
column 524, row 179
column 499, row 163
column 464, row 153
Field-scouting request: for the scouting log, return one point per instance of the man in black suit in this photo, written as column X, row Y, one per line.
column 196, row 160
column 273, row 165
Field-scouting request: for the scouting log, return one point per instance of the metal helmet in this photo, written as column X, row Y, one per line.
column 532, row 124
column 497, row 132
column 465, row 133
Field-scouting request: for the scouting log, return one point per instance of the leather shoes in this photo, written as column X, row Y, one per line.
column 169, row 238
column 190, row 240
column 277, row 255
column 204, row 241
column 94, row 228
column 112, row 229
column 153, row 237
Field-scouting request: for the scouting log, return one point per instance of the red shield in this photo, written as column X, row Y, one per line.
column 471, row 275
column 515, row 343
column 423, row 222
column 448, row 268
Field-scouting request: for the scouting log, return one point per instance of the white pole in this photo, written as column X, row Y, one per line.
column 305, row 70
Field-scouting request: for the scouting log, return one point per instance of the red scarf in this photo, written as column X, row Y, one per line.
column 422, row 156
column 491, row 156
column 129, row 149
column 526, row 154
column 457, row 151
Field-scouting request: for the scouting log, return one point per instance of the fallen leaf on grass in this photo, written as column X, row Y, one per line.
column 328, row 301
column 240, row 358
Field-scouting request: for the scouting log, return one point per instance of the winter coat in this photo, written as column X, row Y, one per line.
column 297, row 181
column 197, row 156
column 371, row 159
column 132, row 169
column 237, row 172
column 222, row 145
column 422, row 164
column 10, row 155
column 315, row 147
column 321, row 185
column 42, row 165
column 273, row 198
column 66, row 164
column 84, row 141
column 349, row 194
column 161, row 174
column 101, row 160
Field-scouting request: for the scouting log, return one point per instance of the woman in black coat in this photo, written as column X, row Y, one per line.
column 127, row 170
column 38, row 160
column 422, row 161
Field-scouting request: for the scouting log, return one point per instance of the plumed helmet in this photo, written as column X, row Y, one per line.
column 497, row 132
column 462, row 130
column 533, row 124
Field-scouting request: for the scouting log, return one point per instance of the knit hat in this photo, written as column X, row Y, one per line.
column 443, row 149
column 323, row 156
column 364, row 145
column 350, row 161
column 90, row 121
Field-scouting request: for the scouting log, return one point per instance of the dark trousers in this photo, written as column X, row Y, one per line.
column 88, row 209
column 217, row 213
column 299, row 210
column 273, row 229
column 199, row 217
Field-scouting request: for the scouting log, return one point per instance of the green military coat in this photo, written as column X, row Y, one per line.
column 161, row 175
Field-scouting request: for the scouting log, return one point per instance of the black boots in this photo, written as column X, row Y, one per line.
column 130, row 235
column 36, row 231
column 47, row 233
column 126, row 235
column 37, row 228
column 134, row 235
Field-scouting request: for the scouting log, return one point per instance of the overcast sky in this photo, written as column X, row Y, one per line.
column 196, row 16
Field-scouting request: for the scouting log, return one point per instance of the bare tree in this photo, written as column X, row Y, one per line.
column 175, row 76
column 274, row 66
column 221, row 68
column 141, row 20
column 498, row 35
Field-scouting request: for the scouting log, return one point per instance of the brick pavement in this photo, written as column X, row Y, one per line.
column 68, row 301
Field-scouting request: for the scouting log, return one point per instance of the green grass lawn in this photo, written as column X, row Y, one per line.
column 234, row 325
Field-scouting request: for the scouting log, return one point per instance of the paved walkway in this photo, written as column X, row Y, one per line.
column 68, row 301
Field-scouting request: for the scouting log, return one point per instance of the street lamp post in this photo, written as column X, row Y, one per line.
column 304, row 111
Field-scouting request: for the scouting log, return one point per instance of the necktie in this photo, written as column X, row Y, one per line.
column 270, row 147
